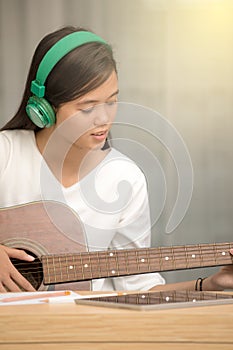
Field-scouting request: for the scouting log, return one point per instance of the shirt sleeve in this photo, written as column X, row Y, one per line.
column 4, row 152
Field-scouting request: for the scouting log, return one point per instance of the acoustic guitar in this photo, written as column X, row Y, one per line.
column 53, row 233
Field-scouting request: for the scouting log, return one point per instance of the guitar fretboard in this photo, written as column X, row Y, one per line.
column 112, row 263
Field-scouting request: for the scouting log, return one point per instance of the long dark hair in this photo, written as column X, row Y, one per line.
column 80, row 71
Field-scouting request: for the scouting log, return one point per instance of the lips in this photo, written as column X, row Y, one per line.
column 99, row 133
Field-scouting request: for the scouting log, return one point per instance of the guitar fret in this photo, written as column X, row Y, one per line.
column 112, row 263
column 70, row 268
column 81, row 264
column 134, row 261
column 167, row 258
column 215, row 253
column 137, row 261
column 116, row 270
column 67, row 269
column 93, row 264
column 108, row 256
column 207, row 257
column 117, row 262
column 173, row 258
column 113, row 270
column 54, row 270
column 191, row 257
column 122, row 262
column 96, row 258
column 74, row 268
column 126, row 262
column 106, row 261
column 148, row 260
column 60, row 268
column 89, row 256
column 142, row 260
column 99, row 263
column 86, row 266
column 131, row 261
column 160, row 260
column 134, row 258
column 48, row 274
column 186, row 256
column 222, row 251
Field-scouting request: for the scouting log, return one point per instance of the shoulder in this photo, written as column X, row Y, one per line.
column 12, row 136
column 11, row 139
column 13, row 142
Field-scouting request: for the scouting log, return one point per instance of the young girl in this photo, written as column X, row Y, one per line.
column 55, row 148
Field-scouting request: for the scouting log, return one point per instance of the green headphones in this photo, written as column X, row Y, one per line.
column 38, row 108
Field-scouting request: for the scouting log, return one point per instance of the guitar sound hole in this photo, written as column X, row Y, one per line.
column 32, row 271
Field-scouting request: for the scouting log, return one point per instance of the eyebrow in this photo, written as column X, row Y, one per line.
column 94, row 101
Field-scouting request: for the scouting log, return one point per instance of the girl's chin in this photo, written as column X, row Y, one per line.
column 93, row 147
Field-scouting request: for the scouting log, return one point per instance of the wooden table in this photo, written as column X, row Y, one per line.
column 71, row 326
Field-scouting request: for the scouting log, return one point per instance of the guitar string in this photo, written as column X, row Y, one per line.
column 206, row 252
column 105, row 255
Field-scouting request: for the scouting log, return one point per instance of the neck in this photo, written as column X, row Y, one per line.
column 69, row 163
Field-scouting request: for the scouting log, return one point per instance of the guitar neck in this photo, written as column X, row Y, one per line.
column 62, row 268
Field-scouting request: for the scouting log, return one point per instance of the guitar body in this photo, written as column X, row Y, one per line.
column 42, row 228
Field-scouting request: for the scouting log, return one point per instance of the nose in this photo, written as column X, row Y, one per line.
column 102, row 115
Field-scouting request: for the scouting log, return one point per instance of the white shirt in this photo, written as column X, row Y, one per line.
column 111, row 200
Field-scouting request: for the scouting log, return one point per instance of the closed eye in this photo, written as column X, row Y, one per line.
column 111, row 103
column 87, row 110
column 91, row 108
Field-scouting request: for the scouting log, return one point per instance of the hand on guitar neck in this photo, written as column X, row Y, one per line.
column 10, row 279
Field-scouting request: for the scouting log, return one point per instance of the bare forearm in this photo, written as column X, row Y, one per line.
column 207, row 284
column 188, row 285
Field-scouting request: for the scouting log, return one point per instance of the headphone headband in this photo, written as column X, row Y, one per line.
column 56, row 53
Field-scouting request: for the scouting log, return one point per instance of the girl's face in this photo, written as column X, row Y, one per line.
column 86, row 121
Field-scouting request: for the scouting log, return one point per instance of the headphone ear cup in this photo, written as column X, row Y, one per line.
column 40, row 111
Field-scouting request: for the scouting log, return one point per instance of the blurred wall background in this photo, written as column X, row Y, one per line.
column 175, row 57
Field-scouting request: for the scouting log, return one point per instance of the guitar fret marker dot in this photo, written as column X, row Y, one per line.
column 223, row 253
column 111, row 254
column 113, row 271
column 167, row 298
column 193, row 256
column 71, row 267
column 166, row 258
column 86, row 265
column 142, row 260
column 194, row 300
column 143, row 296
